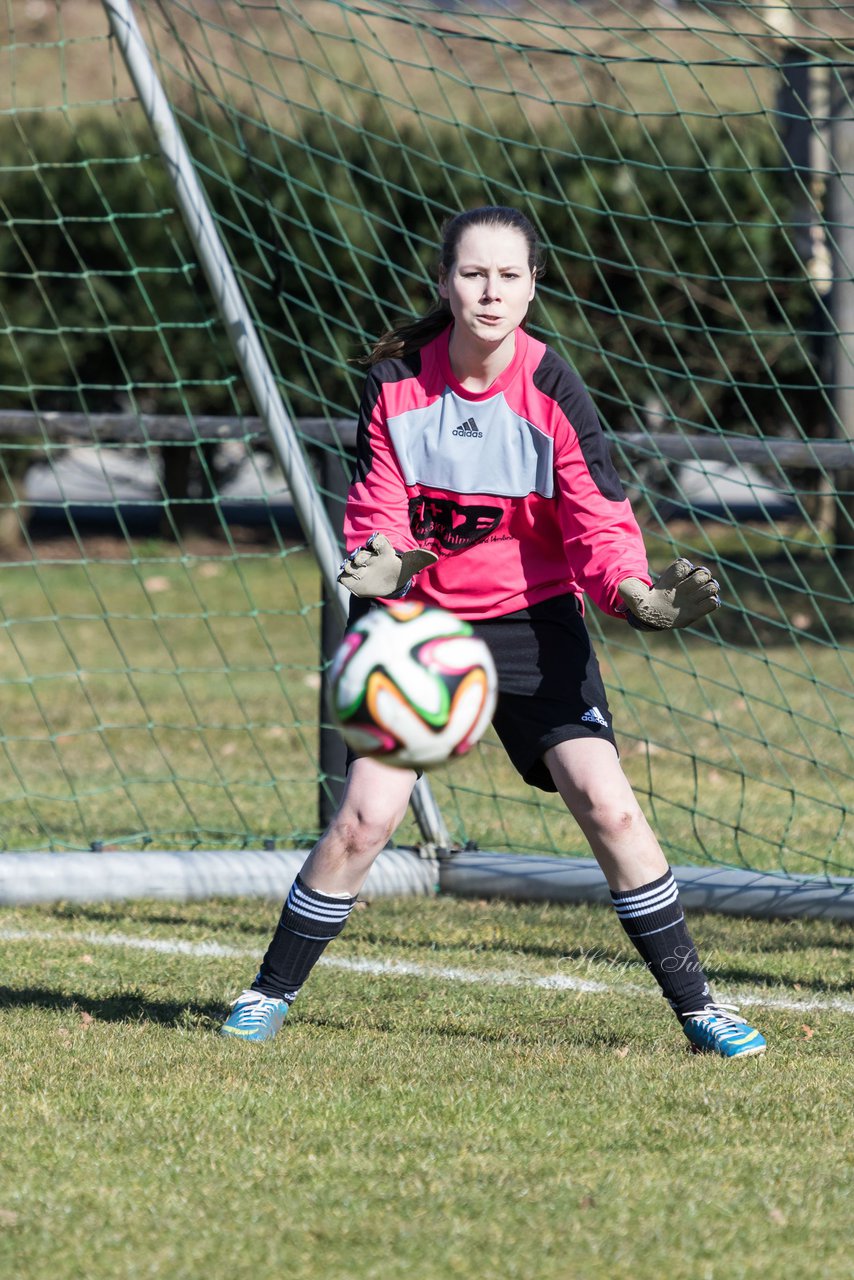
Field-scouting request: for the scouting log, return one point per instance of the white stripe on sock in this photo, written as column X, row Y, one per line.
column 647, row 903
column 312, row 909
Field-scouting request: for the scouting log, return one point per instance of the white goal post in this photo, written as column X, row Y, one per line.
column 245, row 342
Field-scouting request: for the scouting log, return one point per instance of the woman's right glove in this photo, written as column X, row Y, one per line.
column 376, row 569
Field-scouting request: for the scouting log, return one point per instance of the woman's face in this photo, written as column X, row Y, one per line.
column 490, row 285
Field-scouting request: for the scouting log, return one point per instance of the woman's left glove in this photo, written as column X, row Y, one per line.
column 376, row 569
column 680, row 597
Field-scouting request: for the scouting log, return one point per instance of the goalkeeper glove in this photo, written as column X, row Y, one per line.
column 680, row 597
column 376, row 569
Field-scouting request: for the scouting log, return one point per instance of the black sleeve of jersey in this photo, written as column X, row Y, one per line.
column 557, row 380
column 383, row 371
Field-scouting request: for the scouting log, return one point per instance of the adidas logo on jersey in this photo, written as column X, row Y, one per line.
column 594, row 716
column 468, row 430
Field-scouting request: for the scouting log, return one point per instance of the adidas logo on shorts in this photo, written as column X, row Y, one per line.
column 594, row 716
column 468, row 430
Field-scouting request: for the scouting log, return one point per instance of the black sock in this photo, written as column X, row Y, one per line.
column 652, row 917
column 309, row 921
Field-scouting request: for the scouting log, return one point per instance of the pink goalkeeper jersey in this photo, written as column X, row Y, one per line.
column 513, row 488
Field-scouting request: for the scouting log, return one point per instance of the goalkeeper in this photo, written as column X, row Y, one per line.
column 483, row 485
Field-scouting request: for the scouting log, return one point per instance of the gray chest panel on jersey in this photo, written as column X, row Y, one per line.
column 470, row 446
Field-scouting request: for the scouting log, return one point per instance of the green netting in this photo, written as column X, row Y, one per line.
column 692, row 170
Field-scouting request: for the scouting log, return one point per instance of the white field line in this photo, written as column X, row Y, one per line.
column 408, row 969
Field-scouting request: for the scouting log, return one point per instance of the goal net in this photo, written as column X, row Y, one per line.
column 691, row 168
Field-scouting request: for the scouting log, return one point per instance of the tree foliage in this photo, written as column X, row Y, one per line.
column 673, row 282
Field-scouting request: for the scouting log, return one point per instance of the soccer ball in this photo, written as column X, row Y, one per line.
column 412, row 686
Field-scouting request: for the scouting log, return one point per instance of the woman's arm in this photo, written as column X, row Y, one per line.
column 383, row 554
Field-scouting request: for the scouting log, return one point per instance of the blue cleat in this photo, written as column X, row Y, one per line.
column 718, row 1029
column 255, row 1017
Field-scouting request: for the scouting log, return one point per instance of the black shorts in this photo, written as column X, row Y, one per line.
column 550, row 688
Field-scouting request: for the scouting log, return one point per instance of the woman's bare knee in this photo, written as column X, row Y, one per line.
column 608, row 821
column 360, row 831
column 373, row 806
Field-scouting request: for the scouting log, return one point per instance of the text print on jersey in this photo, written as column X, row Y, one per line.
column 468, row 430
column 449, row 523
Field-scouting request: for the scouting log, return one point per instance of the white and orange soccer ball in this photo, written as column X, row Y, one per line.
column 412, row 686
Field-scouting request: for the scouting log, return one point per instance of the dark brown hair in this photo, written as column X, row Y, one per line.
column 414, row 334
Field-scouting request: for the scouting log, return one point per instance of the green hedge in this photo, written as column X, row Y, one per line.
column 672, row 271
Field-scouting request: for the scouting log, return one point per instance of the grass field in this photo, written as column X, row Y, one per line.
column 458, row 1117
column 169, row 694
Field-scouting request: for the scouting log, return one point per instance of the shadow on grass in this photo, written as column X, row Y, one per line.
column 720, row 975
column 438, row 945
column 127, row 1006
column 615, row 963
column 371, row 937
column 568, row 1030
column 268, row 916
column 601, row 963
